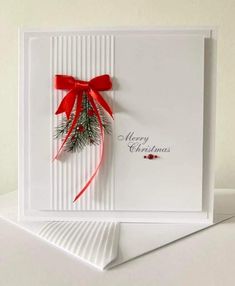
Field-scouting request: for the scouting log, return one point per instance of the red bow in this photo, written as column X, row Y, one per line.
column 74, row 96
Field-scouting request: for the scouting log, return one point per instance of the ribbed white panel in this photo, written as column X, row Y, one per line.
column 93, row 242
column 83, row 57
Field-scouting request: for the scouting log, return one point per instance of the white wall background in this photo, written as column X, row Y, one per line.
column 114, row 13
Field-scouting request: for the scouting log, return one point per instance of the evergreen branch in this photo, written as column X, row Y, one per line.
column 87, row 130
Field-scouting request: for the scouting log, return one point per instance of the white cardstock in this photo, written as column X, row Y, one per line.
column 163, row 99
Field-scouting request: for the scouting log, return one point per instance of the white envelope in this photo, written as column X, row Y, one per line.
column 163, row 102
column 107, row 244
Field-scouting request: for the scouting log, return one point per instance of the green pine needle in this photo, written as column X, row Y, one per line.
column 90, row 130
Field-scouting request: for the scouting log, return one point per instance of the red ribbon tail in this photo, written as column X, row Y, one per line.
column 76, row 117
column 101, row 150
column 98, row 97
column 67, row 104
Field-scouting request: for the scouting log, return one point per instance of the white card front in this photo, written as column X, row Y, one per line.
column 153, row 166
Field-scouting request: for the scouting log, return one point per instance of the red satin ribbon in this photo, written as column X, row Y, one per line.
column 74, row 96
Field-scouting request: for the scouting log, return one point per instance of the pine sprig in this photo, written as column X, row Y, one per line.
column 87, row 129
column 63, row 127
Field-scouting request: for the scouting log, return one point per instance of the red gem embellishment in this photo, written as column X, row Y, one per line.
column 90, row 112
column 151, row 156
column 80, row 128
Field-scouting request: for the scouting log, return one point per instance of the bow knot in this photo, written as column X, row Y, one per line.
column 81, row 85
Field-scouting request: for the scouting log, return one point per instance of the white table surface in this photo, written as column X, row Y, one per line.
column 205, row 258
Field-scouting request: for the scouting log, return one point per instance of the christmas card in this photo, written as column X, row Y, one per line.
column 117, row 125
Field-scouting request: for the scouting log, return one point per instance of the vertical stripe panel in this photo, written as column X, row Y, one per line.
column 83, row 56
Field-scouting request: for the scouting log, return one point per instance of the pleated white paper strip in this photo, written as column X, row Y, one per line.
column 91, row 241
column 135, row 240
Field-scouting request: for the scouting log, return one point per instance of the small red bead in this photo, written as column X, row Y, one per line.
column 90, row 112
column 145, row 157
column 80, row 128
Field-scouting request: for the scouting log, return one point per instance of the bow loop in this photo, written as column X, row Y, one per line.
column 101, row 83
column 64, row 82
